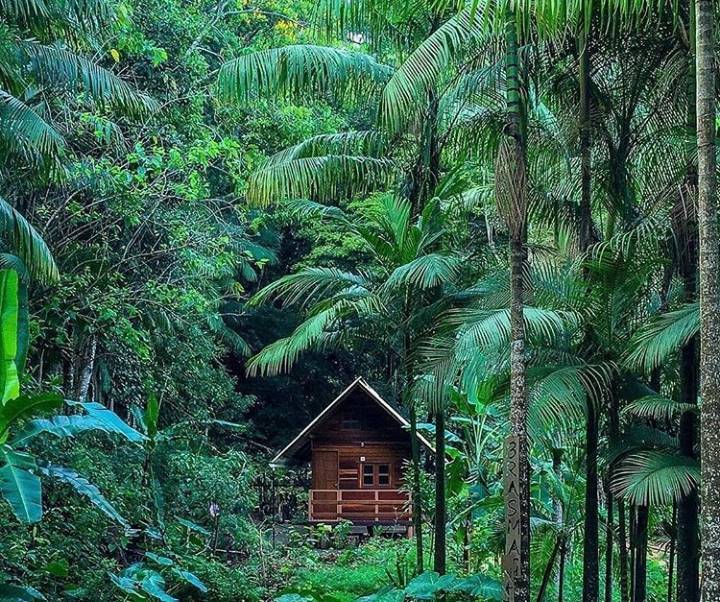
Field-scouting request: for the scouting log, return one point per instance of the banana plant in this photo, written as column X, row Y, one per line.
column 22, row 421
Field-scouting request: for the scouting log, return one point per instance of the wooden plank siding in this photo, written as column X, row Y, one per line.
column 366, row 440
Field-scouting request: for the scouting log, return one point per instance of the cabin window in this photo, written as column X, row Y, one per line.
column 351, row 423
column 368, row 475
column 376, row 475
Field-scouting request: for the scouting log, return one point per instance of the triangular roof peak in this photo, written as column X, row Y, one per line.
column 359, row 383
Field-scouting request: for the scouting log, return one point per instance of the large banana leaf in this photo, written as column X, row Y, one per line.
column 19, row 486
column 24, row 406
column 69, row 426
column 9, row 382
column 83, row 487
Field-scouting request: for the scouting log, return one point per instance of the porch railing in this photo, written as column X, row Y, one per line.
column 387, row 505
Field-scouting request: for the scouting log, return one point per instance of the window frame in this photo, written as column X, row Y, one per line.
column 376, row 475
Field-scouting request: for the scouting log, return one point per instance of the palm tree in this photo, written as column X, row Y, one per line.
column 511, row 195
column 709, row 264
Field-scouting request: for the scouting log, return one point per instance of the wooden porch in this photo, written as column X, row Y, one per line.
column 361, row 506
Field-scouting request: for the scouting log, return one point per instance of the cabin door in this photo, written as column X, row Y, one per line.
column 325, row 470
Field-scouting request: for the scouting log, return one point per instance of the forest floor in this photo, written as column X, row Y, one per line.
column 344, row 575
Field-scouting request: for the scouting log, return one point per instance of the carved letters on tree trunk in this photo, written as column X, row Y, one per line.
column 512, row 566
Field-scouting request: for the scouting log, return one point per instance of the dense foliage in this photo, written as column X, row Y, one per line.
column 214, row 215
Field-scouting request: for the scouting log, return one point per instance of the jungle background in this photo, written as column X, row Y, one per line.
column 159, row 192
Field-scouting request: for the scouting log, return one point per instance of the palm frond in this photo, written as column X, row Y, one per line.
column 26, row 132
column 298, row 71
column 657, row 407
column 406, row 92
column 326, row 178
column 307, row 285
column 61, row 67
column 655, row 477
column 427, row 271
column 281, row 355
column 22, row 239
column 662, row 336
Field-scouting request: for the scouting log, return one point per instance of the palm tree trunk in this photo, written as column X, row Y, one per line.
column 591, row 543
column 511, row 194
column 623, row 549
column 440, row 513
column 688, row 536
column 609, row 538
column 671, row 553
column 709, row 265
column 640, row 556
column 416, row 492
column 561, row 571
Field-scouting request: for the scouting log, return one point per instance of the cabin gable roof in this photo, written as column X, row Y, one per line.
column 302, row 439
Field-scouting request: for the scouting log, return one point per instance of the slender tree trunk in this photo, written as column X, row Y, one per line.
column 440, row 543
column 671, row 553
column 688, row 537
column 416, row 491
column 547, row 573
column 87, row 369
column 709, row 265
column 640, row 555
column 511, row 195
column 591, row 542
column 591, row 563
column 609, row 538
column 558, row 509
column 688, row 531
column 621, row 520
column 561, row 571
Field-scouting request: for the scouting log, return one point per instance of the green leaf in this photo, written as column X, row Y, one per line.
column 20, row 487
column 82, row 486
column 479, row 586
column 9, row 381
column 19, row 593
column 428, row 585
column 58, row 567
column 111, row 422
column 300, row 70
column 152, row 411
column 154, row 585
column 64, row 426
column 193, row 526
column 24, row 406
column 161, row 560
column 27, row 244
column 191, row 579
column 129, row 586
column 655, row 477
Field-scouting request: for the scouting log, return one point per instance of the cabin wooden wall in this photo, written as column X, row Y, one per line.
column 358, row 433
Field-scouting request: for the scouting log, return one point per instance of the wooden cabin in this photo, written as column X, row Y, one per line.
column 356, row 448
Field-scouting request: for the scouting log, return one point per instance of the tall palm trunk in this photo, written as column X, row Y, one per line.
column 640, row 556
column 591, row 542
column 415, row 488
column 511, row 196
column 709, row 265
column 440, row 543
column 688, row 538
